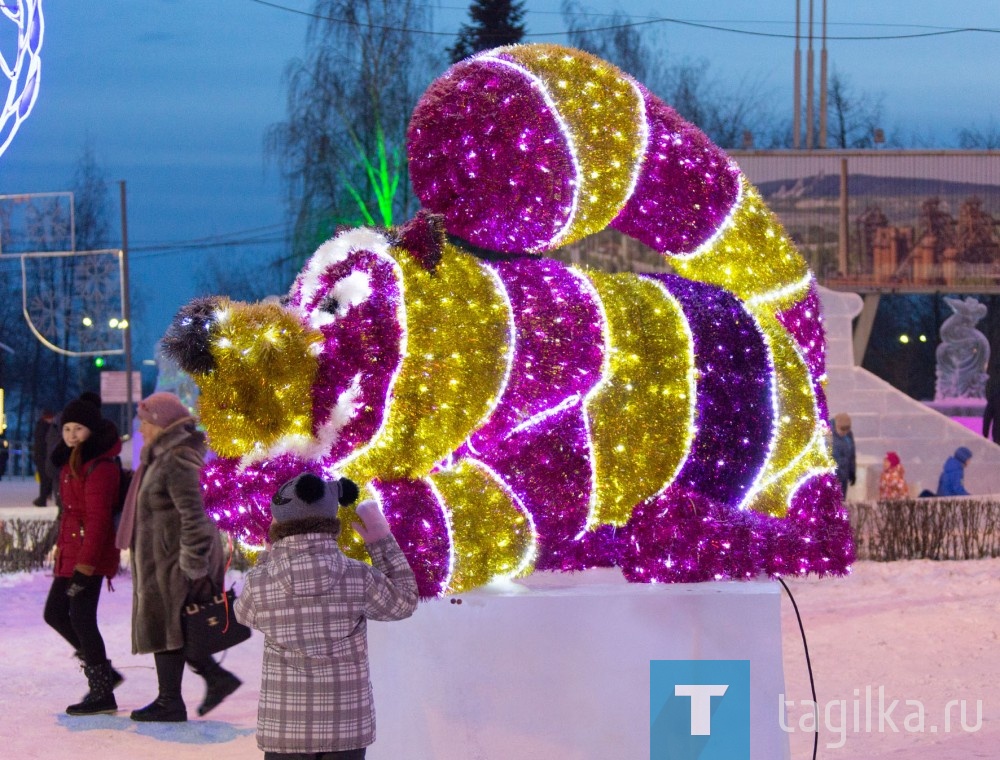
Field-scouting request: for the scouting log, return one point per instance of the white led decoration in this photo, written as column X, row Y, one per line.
column 24, row 73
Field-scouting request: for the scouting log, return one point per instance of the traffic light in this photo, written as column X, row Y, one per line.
column 98, row 361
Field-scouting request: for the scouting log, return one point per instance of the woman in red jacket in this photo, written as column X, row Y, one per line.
column 85, row 550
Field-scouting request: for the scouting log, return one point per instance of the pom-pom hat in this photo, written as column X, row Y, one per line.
column 82, row 412
column 308, row 496
column 162, row 409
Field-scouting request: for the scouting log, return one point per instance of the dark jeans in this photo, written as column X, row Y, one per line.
column 347, row 754
column 44, row 486
column 75, row 617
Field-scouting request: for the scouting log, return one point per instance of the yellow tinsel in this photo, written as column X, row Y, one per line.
column 260, row 390
column 751, row 256
column 457, row 352
column 601, row 109
column 491, row 537
column 642, row 415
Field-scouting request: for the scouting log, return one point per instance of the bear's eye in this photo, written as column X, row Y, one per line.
column 329, row 305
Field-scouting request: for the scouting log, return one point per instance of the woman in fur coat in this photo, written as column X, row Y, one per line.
column 176, row 554
column 85, row 549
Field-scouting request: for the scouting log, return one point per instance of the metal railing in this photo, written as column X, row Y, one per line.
column 864, row 220
column 20, row 462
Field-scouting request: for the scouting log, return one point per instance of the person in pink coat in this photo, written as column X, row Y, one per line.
column 892, row 481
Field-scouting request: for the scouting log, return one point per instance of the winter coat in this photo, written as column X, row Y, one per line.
column 312, row 604
column 950, row 483
column 844, row 455
column 86, row 527
column 174, row 541
column 892, row 483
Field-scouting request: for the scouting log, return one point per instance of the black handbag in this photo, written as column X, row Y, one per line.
column 211, row 626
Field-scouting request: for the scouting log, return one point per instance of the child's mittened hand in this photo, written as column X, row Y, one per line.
column 375, row 526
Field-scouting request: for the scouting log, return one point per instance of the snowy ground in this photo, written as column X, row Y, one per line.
column 924, row 633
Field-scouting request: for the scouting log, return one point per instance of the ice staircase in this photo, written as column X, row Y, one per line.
column 886, row 419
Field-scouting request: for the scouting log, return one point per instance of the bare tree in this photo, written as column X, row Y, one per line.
column 853, row 116
column 342, row 148
column 237, row 277
column 728, row 115
column 617, row 41
column 725, row 114
column 987, row 138
column 92, row 203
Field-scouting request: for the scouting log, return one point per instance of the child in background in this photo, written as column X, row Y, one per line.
column 952, row 480
column 312, row 604
column 892, row 482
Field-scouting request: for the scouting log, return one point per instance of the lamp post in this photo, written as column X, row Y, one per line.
column 126, row 312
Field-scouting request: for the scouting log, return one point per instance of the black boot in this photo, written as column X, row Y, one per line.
column 168, row 707
column 101, row 697
column 220, row 683
column 117, row 679
column 162, row 710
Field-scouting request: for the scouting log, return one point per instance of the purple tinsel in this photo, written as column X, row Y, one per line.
column 559, row 345
column 239, row 501
column 686, row 189
column 366, row 340
column 733, row 408
column 804, row 322
column 548, row 467
column 683, row 537
column 487, row 153
column 420, row 528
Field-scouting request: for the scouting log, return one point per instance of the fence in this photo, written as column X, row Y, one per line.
column 888, row 220
column 26, row 544
column 20, row 463
column 936, row 529
column 901, row 221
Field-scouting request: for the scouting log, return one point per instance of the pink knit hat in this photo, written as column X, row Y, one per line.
column 162, row 409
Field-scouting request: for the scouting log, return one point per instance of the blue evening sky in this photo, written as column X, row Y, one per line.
column 175, row 96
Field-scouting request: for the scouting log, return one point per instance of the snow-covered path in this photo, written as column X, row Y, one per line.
column 923, row 632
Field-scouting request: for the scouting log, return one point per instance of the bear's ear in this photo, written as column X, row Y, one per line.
column 423, row 237
column 187, row 340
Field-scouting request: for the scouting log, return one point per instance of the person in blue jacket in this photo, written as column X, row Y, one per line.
column 950, row 482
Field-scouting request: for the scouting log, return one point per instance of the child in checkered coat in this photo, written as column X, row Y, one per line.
column 312, row 604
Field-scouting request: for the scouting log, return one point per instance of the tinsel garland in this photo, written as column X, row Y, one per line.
column 511, row 413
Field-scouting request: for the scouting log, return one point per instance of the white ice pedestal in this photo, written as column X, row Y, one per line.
column 559, row 670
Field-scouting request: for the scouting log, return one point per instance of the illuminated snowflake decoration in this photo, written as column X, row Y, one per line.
column 73, row 302
column 96, row 278
column 23, row 70
column 47, row 314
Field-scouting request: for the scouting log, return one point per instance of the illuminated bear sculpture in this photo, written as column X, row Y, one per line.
column 511, row 412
